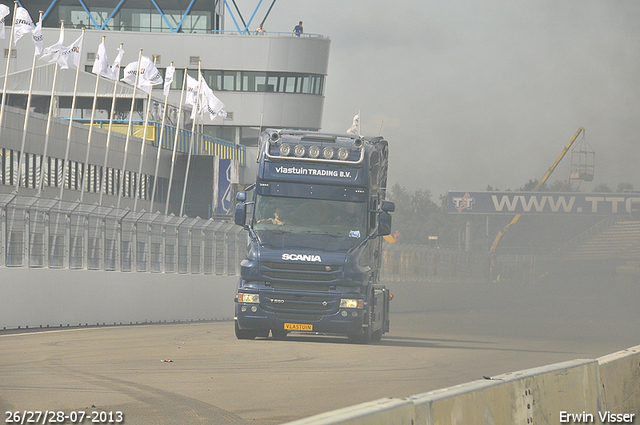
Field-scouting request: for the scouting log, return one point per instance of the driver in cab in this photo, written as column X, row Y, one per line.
column 276, row 219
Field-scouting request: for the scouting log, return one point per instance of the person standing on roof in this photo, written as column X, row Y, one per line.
column 297, row 30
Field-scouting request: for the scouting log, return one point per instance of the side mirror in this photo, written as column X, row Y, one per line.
column 240, row 214
column 388, row 206
column 384, row 224
column 241, row 196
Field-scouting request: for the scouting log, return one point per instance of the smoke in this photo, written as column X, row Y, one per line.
column 471, row 94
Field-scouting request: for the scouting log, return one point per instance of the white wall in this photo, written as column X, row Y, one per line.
column 49, row 297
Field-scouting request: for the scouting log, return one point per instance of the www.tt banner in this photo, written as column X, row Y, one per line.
column 544, row 203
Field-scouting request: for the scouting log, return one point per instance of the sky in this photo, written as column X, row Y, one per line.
column 472, row 94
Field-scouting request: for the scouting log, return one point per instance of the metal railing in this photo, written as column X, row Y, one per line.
column 204, row 144
column 583, row 237
column 406, row 262
column 49, row 233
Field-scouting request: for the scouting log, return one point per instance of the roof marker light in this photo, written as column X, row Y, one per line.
column 285, row 149
column 343, row 154
column 314, row 151
column 299, row 151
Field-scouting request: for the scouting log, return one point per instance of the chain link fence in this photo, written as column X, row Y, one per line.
column 406, row 262
column 50, row 233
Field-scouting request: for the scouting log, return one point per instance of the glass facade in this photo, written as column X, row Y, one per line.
column 254, row 81
column 132, row 15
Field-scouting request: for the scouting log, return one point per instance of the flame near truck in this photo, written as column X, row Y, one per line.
column 315, row 222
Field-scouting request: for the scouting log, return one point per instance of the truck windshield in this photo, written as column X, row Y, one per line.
column 310, row 216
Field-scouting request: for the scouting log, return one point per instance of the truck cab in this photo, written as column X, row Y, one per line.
column 315, row 219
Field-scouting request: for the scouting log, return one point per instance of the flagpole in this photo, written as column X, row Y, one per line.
column 138, row 185
column 103, row 179
column 47, row 132
column 26, row 114
column 192, row 142
column 6, row 72
column 126, row 143
column 175, row 142
column 155, row 172
column 73, row 107
column 93, row 114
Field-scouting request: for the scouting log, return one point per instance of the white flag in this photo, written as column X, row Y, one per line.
column 4, row 11
column 100, row 64
column 355, row 127
column 65, row 56
column 37, row 38
column 22, row 24
column 114, row 70
column 192, row 95
column 210, row 102
column 149, row 74
column 51, row 53
column 168, row 79
column 70, row 55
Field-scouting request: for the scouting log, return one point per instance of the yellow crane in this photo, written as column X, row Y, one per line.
column 492, row 250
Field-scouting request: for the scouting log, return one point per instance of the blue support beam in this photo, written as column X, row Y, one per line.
column 163, row 16
column 186, row 12
column 115, row 10
column 86, row 9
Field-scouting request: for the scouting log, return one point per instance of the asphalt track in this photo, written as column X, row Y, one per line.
column 465, row 332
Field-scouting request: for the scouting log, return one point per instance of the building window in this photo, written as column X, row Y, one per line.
column 253, row 81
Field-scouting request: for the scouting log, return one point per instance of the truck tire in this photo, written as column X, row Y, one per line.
column 376, row 336
column 363, row 336
column 245, row 333
column 279, row 334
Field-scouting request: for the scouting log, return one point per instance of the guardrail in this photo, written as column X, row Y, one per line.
column 268, row 33
column 604, row 390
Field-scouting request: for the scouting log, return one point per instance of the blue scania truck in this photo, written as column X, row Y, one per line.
column 315, row 223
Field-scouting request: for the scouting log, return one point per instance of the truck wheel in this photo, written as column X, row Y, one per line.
column 245, row 333
column 363, row 336
column 279, row 334
column 376, row 336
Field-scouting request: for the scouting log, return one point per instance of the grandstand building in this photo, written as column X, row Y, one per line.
column 274, row 79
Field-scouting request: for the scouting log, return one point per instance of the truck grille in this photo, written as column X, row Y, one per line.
column 300, row 303
column 301, row 317
column 289, row 274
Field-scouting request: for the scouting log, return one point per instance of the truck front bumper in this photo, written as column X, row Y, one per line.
column 344, row 321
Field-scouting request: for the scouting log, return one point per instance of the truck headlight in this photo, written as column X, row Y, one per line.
column 248, row 298
column 343, row 154
column 346, row 303
column 327, row 152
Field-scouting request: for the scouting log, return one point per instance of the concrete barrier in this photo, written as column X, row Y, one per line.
column 577, row 391
column 387, row 411
column 619, row 375
column 35, row 298
column 530, row 396
column 465, row 403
